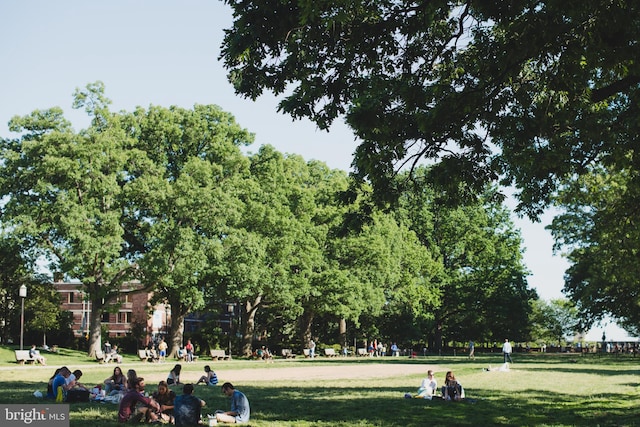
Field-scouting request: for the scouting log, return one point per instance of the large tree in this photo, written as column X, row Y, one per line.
column 599, row 232
column 554, row 321
column 65, row 195
column 178, row 228
column 552, row 85
column 484, row 291
column 267, row 254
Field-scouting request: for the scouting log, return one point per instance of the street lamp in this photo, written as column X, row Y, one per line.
column 231, row 308
column 23, row 295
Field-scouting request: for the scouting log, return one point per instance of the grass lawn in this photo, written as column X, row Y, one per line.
column 540, row 390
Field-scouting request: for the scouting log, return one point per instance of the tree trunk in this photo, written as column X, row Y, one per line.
column 95, row 325
column 342, row 330
column 251, row 308
column 307, row 321
column 438, row 336
column 176, row 331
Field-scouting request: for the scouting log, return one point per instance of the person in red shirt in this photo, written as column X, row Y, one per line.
column 135, row 405
column 189, row 349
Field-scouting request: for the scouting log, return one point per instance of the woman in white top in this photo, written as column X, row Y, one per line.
column 428, row 387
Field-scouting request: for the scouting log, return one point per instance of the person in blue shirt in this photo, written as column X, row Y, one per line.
column 187, row 409
column 60, row 380
column 240, row 411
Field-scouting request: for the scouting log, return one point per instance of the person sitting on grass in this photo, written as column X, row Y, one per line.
column 58, row 383
column 165, row 398
column 135, row 406
column 452, row 390
column 131, row 379
column 73, row 381
column 174, row 375
column 209, row 378
column 187, row 408
column 240, row 411
column 428, row 387
column 117, row 382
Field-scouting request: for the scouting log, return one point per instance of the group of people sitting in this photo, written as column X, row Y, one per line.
column 209, row 377
column 263, row 353
column 182, row 410
column 63, row 382
column 111, row 353
column 163, row 406
column 451, row 390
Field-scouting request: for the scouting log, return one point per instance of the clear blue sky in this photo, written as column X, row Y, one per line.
column 165, row 53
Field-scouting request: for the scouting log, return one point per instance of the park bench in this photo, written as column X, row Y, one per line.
column 330, row 352
column 218, row 355
column 22, row 357
column 362, row 352
column 144, row 357
column 287, row 353
column 101, row 358
column 306, row 352
column 153, row 355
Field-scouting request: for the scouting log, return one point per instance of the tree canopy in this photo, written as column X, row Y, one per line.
column 165, row 196
column 523, row 92
column 599, row 232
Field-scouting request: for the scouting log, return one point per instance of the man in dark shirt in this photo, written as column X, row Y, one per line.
column 187, row 408
column 135, row 405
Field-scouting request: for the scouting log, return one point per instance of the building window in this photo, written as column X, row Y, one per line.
column 123, row 298
column 71, row 297
column 105, row 317
column 124, row 317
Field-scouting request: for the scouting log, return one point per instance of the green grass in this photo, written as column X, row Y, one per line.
column 540, row 390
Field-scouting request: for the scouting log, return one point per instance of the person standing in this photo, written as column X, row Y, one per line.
column 312, row 349
column 472, row 349
column 506, row 351
column 240, row 411
column 189, row 349
column 162, row 350
column 395, row 351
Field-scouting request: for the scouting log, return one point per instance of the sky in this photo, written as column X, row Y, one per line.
column 161, row 52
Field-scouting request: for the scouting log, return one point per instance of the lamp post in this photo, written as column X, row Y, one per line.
column 231, row 311
column 23, row 295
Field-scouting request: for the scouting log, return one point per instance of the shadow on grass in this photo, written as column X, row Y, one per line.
column 381, row 406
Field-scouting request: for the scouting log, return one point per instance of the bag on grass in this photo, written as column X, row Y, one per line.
column 77, row 396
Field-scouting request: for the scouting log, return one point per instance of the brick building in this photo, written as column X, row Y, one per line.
column 131, row 308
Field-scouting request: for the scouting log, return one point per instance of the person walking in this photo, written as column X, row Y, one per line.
column 506, row 351
column 472, row 349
